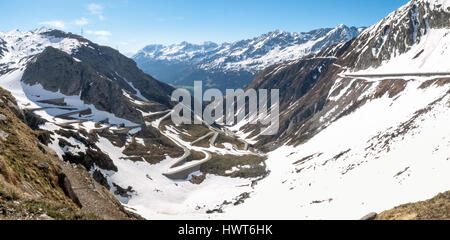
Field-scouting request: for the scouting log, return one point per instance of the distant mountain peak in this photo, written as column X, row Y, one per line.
column 235, row 64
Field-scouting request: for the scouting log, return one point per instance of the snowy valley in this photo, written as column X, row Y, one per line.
column 363, row 122
column 374, row 137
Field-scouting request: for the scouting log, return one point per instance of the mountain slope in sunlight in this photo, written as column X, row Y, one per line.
column 233, row 65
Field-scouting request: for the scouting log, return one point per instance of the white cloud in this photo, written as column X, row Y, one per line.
column 96, row 9
column 55, row 24
column 82, row 21
column 102, row 33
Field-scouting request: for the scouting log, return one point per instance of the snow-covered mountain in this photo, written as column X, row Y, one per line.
column 364, row 124
column 233, row 65
column 100, row 113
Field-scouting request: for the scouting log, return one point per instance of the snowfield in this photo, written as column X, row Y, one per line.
column 345, row 171
column 390, row 151
column 154, row 196
column 158, row 197
column 21, row 45
column 430, row 55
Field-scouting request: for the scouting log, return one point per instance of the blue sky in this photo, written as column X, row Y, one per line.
column 131, row 24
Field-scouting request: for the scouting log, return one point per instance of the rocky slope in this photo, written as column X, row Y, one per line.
column 437, row 208
column 350, row 131
column 233, row 65
column 99, row 112
column 309, row 85
column 35, row 184
column 400, row 32
column 99, row 75
column 359, row 120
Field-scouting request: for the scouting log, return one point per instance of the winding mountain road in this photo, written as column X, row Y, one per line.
column 181, row 169
column 202, row 138
column 384, row 75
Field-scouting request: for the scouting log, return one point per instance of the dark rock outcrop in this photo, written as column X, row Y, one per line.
column 113, row 65
column 2, row 47
column 66, row 185
column 33, row 120
column 58, row 71
column 370, row 216
column 35, row 183
column 99, row 75
column 90, row 158
column 125, row 193
column 100, row 178
column 116, row 67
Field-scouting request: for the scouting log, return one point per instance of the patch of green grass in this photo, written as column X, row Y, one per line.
column 35, row 208
column 222, row 138
column 203, row 143
column 194, row 131
column 21, row 206
column 220, row 164
column 195, row 156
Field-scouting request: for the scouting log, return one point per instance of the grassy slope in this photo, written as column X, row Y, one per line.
column 437, row 208
column 32, row 176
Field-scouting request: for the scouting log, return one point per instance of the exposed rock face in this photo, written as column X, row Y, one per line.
column 116, row 67
column 90, row 158
column 125, row 193
column 124, row 71
column 74, row 66
column 33, row 120
column 370, row 216
column 397, row 33
column 2, row 47
column 58, row 71
column 100, row 178
column 100, row 114
column 65, row 183
column 308, row 85
column 304, row 86
column 233, row 65
column 34, row 183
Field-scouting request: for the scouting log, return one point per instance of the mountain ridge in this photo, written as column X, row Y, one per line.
column 104, row 116
column 233, row 65
column 344, row 140
column 406, row 41
column 353, row 144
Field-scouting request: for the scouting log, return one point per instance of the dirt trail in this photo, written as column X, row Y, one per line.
column 93, row 197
